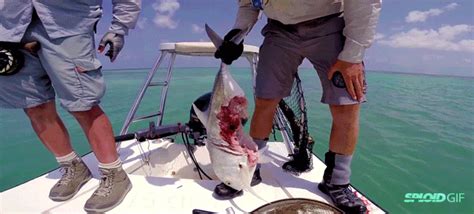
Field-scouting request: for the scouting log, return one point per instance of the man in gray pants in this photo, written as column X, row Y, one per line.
column 333, row 36
column 65, row 67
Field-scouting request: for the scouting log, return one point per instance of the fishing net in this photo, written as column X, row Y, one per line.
column 297, row 206
column 295, row 123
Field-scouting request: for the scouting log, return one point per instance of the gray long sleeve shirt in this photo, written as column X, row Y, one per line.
column 361, row 17
column 64, row 18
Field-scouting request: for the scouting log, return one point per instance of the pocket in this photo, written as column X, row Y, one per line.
column 91, row 80
column 87, row 65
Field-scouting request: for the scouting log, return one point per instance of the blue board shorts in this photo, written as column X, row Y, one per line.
column 284, row 48
column 66, row 67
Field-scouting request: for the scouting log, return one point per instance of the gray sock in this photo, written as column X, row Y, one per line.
column 338, row 170
column 260, row 143
column 342, row 170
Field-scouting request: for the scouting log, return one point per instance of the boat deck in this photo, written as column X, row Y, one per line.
column 169, row 183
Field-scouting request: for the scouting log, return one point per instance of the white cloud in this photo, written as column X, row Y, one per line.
column 196, row 28
column 444, row 38
column 451, row 6
column 165, row 10
column 421, row 16
column 141, row 23
column 379, row 36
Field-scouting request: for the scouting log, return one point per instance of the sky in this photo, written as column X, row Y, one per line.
column 413, row 36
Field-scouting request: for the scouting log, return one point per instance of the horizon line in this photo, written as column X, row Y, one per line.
column 376, row 71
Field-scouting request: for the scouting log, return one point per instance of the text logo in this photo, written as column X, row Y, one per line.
column 412, row 197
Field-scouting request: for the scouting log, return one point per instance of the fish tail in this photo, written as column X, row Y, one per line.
column 248, row 188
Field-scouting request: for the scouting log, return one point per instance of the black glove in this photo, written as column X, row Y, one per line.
column 228, row 51
column 11, row 59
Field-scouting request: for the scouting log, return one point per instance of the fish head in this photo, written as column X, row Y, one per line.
column 238, row 176
column 234, row 170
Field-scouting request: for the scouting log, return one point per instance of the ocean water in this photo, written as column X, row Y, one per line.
column 416, row 132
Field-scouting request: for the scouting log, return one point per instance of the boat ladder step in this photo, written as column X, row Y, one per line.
column 158, row 83
column 146, row 117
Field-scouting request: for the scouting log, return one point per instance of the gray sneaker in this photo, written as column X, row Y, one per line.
column 75, row 175
column 114, row 186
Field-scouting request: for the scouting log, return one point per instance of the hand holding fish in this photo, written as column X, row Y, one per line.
column 229, row 51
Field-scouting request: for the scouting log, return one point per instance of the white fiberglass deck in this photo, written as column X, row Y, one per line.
column 169, row 184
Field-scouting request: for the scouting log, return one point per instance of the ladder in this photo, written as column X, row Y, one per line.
column 191, row 49
column 172, row 50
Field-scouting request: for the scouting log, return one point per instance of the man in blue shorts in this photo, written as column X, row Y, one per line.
column 64, row 67
column 333, row 35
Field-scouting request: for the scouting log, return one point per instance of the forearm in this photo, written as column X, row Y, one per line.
column 125, row 15
column 247, row 16
column 361, row 18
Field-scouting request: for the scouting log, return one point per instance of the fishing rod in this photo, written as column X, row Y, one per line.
column 154, row 132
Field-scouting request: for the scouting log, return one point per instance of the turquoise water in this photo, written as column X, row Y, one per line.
column 416, row 132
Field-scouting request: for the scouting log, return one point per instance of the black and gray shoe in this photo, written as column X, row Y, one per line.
column 343, row 198
column 224, row 192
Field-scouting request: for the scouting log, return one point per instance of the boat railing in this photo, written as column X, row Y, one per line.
column 171, row 50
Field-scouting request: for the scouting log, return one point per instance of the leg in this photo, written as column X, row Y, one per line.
column 97, row 128
column 31, row 90
column 50, row 128
column 323, row 51
column 262, row 119
column 260, row 128
column 279, row 61
column 74, row 70
column 345, row 128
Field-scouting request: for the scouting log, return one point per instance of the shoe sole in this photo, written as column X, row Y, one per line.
column 326, row 191
column 323, row 189
column 65, row 198
column 235, row 195
column 129, row 187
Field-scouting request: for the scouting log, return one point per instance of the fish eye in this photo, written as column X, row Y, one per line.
column 240, row 166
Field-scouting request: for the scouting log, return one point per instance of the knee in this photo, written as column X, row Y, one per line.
column 265, row 105
column 94, row 112
column 345, row 113
column 41, row 113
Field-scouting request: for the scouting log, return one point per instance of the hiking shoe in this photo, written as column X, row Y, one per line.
column 343, row 198
column 225, row 192
column 75, row 175
column 114, row 186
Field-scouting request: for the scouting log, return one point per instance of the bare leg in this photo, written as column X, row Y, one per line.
column 49, row 128
column 262, row 119
column 345, row 128
column 97, row 127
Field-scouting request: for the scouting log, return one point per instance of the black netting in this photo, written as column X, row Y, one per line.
column 296, row 125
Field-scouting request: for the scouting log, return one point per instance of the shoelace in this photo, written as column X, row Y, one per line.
column 344, row 195
column 68, row 175
column 105, row 185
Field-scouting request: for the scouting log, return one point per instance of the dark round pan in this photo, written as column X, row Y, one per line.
column 297, row 206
